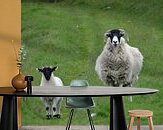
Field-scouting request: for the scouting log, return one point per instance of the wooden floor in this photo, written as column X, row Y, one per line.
column 98, row 127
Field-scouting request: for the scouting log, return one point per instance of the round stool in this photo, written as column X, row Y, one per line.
column 138, row 114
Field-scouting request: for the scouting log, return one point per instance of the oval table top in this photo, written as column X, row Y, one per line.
column 66, row 91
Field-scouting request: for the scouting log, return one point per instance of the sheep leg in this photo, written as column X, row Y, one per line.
column 130, row 97
column 56, row 107
column 48, row 112
column 47, row 107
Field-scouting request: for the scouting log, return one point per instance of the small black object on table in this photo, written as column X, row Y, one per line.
column 29, row 80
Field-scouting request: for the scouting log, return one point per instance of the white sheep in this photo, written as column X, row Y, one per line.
column 119, row 64
column 52, row 104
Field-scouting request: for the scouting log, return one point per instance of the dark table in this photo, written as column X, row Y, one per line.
column 117, row 114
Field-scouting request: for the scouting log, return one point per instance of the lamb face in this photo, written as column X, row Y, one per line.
column 47, row 72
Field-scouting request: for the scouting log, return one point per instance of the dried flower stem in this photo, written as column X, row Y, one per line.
column 19, row 56
column 14, row 50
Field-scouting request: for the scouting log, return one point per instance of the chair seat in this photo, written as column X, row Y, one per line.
column 79, row 102
column 140, row 113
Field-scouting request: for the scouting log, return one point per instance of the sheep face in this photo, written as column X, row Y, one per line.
column 114, row 38
column 47, row 71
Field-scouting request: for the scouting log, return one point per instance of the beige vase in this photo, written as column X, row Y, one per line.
column 19, row 83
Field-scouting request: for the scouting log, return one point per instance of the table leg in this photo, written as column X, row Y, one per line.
column 117, row 114
column 9, row 113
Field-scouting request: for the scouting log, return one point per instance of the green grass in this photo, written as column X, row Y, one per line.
column 70, row 34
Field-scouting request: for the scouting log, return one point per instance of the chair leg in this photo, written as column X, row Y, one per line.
column 138, row 123
column 131, row 123
column 70, row 119
column 90, row 119
column 150, row 122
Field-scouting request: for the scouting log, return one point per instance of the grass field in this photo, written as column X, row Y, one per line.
column 70, row 34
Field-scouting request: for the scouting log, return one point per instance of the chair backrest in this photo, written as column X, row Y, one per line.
column 79, row 102
column 79, row 83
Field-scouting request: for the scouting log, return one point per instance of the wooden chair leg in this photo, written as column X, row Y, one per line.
column 150, row 122
column 138, row 123
column 131, row 123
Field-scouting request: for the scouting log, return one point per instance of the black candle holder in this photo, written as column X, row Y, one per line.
column 29, row 80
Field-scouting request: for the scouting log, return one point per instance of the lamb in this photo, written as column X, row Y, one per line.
column 119, row 64
column 52, row 104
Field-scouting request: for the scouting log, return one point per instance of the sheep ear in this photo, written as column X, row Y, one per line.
column 106, row 35
column 55, row 68
column 123, row 32
column 40, row 70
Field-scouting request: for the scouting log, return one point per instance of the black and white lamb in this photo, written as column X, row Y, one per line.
column 119, row 64
column 52, row 104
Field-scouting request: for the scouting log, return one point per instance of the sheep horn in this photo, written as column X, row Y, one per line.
column 106, row 35
column 55, row 68
column 122, row 31
column 39, row 69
